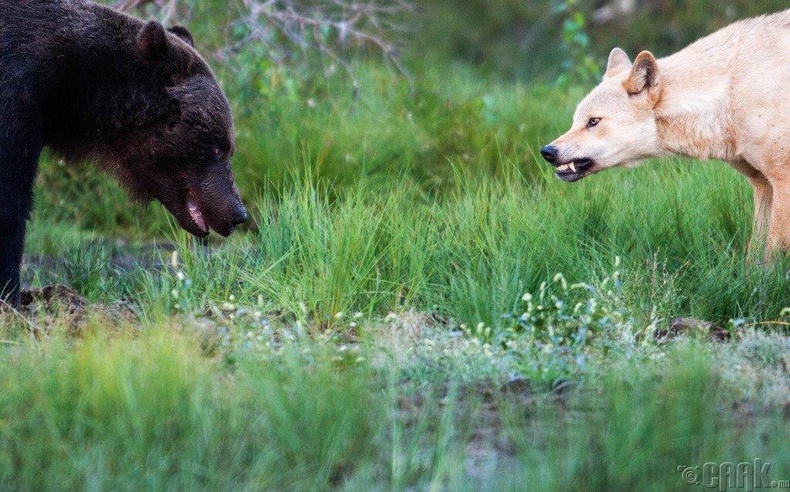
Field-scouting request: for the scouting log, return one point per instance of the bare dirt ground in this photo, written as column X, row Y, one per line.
column 56, row 307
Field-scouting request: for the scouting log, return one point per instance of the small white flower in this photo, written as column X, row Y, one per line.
column 561, row 279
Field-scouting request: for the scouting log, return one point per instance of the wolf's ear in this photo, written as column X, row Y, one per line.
column 643, row 76
column 618, row 63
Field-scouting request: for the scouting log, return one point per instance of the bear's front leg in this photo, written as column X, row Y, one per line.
column 18, row 165
column 12, row 243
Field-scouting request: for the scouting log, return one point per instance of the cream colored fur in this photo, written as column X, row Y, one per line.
column 724, row 97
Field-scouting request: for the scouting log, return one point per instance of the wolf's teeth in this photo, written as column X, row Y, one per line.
column 564, row 167
column 572, row 166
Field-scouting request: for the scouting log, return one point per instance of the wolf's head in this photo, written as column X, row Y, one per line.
column 615, row 124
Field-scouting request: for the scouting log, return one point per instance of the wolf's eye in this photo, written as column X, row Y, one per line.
column 592, row 122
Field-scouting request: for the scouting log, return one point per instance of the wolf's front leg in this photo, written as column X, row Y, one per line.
column 779, row 229
column 763, row 203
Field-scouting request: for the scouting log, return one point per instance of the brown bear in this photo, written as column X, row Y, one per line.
column 93, row 83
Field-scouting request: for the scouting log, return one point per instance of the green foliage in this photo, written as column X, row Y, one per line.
column 579, row 68
column 646, row 419
column 507, row 37
column 379, row 246
column 150, row 410
column 531, row 40
column 550, row 318
column 434, row 200
column 367, row 327
column 130, row 413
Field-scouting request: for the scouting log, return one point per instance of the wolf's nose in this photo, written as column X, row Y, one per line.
column 549, row 153
column 239, row 216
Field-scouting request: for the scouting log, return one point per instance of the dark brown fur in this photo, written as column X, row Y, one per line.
column 92, row 83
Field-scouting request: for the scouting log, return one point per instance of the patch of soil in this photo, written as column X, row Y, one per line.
column 60, row 306
column 691, row 326
column 52, row 297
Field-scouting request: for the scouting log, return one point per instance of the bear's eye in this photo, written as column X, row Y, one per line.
column 592, row 122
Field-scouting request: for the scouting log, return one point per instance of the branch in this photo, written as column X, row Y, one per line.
column 167, row 8
column 332, row 28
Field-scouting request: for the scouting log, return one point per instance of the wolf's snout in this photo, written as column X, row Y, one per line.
column 549, row 153
column 239, row 216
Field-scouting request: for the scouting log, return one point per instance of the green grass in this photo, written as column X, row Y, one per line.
column 680, row 230
column 361, row 331
column 153, row 410
column 435, row 199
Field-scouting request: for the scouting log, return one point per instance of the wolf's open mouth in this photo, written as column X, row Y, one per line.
column 574, row 170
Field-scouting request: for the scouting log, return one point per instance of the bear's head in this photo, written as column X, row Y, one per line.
column 180, row 152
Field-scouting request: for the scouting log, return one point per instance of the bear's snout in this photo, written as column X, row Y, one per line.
column 239, row 215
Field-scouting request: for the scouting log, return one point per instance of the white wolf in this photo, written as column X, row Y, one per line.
column 725, row 97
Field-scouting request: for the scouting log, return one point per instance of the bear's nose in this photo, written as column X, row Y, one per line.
column 239, row 216
column 549, row 153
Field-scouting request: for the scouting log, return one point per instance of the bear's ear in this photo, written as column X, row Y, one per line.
column 618, row 63
column 152, row 40
column 183, row 33
column 644, row 77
